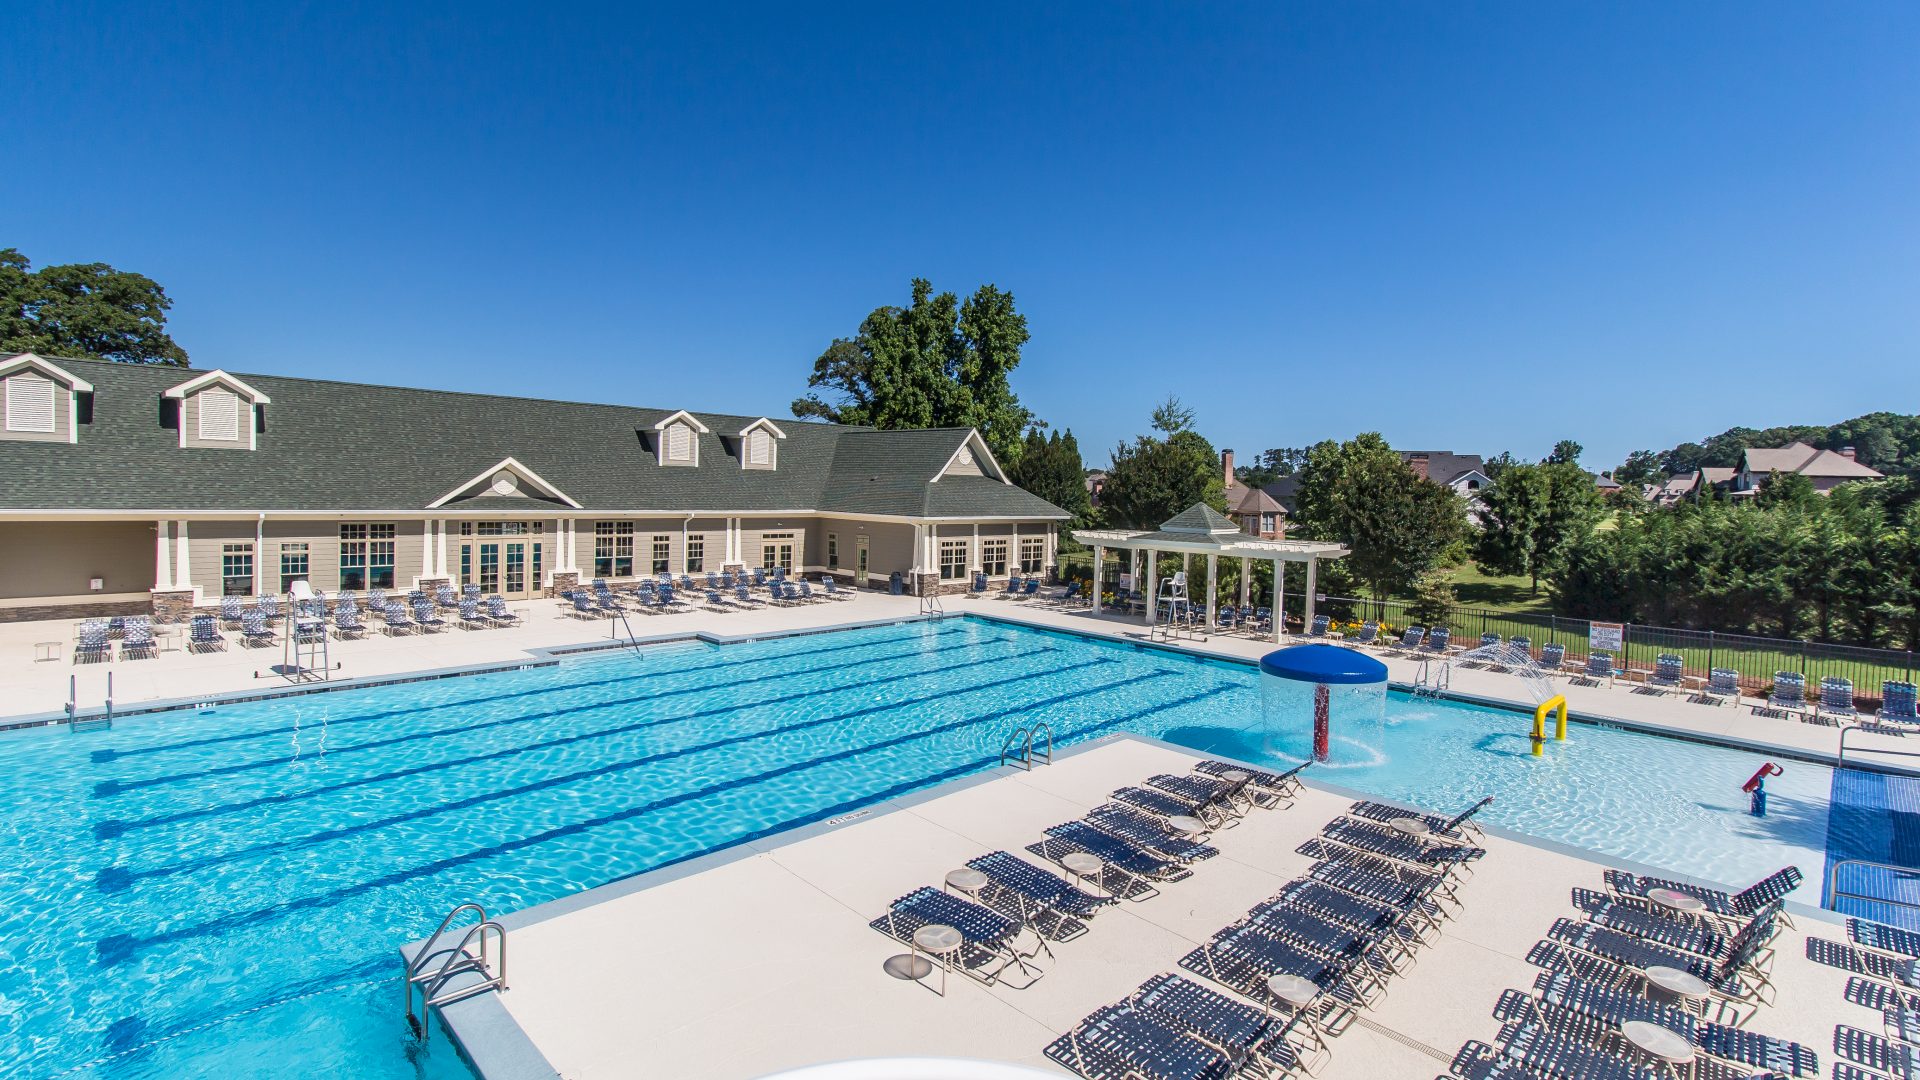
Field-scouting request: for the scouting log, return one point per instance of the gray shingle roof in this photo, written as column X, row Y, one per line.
column 357, row 448
column 1200, row 518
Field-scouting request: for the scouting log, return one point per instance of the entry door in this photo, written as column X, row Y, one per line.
column 777, row 553
column 860, row 560
column 510, row 568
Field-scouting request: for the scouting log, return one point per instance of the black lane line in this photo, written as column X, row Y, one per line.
column 116, row 878
column 106, row 755
column 107, row 830
column 107, row 789
column 118, row 948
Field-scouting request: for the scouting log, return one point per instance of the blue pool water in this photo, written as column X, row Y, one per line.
column 221, row 892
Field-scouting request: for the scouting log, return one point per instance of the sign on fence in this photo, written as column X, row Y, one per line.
column 1126, row 582
column 1608, row 637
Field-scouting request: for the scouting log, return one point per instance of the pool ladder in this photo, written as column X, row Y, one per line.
column 930, row 604
column 619, row 616
column 1432, row 681
column 469, row 956
column 1019, row 746
column 77, row 723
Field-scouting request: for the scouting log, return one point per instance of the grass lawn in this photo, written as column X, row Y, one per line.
column 1477, row 589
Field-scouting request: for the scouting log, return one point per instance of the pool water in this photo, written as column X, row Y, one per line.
column 222, row 891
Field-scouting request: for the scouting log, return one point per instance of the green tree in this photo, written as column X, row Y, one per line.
column 1532, row 516
column 1050, row 467
column 1155, row 478
column 1395, row 524
column 1565, row 452
column 1641, row 467
column 1433, row 598
column 935, row 363
column 85, row 310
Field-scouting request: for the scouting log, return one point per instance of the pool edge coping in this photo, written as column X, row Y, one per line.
column 496, row 1047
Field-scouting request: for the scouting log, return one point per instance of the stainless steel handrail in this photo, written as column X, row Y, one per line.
column 1018, row 735
column 1039, row 728
column 1851, row 729
column 1833, row 883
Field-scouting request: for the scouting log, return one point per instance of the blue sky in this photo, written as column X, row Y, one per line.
column 1470, row 226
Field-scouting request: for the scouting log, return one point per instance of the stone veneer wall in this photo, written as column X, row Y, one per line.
column 562, row 581
column 173, row 606
column 101, row 610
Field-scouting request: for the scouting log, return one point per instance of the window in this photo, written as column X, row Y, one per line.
column 953, row 560
column 30, row 403
column 220, row 415
column 993, row 557
column 366, row 556
column 293, row 565
column 236, row 570
column 760, row 447
column 860, row 557
column 776, row 550
column 662, row 554
column 679, row 444
column 1266, row 523
column 612, row 549
column 833, row 551
column 696, row 554
column 1033, row 554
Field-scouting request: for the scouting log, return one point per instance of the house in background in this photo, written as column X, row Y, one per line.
column 1466, row 474
column 1828, row 469
column 1256, row 512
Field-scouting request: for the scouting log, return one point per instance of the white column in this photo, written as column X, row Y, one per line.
column 1313, row 567
column 1098, row 554
column 1051, row 552
column 1279, row 592
column 440, row 547
column 1213, row 567
column 426, row 548
column 182, row 572
column 1013, row 552
column 919, row 549
column 1246, row 578
column 259, row 555
column 976, row 561
column 1152, row 590
column 162, row 557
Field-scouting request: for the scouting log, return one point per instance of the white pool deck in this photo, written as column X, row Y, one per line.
column 762, row 959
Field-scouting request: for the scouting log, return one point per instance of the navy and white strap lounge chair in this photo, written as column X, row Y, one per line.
column 1723, row 687
column 1241, row 1031
column 1119, row 1042
column 91, row 643
column 1135, row 869
column 470, row 616
column 1668, row 672
column 834, row 591
column 1599, row 667
column 231, row 609
column 1369, row 633
column 1459, row 826
column 582, row 606
column 1899, row 703
column 397, row 620
column 1789, row 693
column 497, row 611
column 1836, row 701
column 347, row 624
column 203, row 635
column 990, row 940
column 1164, row 805
column 1745, row 904
column 136, row 637
column 254, row 629
column 1319, row 626
column 1412, row 639
column 1611, row 1006
column 1037, row 891
column 1204, row 792
column 427, row 618
column 1438, row 638
column 1263, row 788
column 1149, row 833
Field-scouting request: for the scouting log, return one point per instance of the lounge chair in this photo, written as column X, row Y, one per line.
column 1119, row 1042
column 1668, row 672
column 834, row 591
column 1262, row 788
column 91, row 643
column 1164, row 805
column 1654, row 923
column 1898, row 703
column 1242, row 957
column 497, row 611
column 429, row 620
column 582, row 607
column 1369, row 633
column 1876, row 1052
column 1738, row 975
column 1522, row 644
column 1723, row 687
column 1203, row 792
column 1029, row 590
column 1438, row 639
column 1745, row 904
column 1460, row 826
column 347, row 624
column 254, row 630
column 377, row 600
column 1373, row 838
column 1408, row 893
column 397, row 621
column 1136, row 869
column 1789, row 694
column 978, row 588
column 470, row 591
column 203, row 634
column 1836, row 701
column 1549, row 1053
column 136, row 637
column 231, row 608
column 1243, row 1032
column 1599, row 666
column 1037, row 892
column 744, row 597
column 807, row 593
column 1405, row 927
column 1609, row 1006
column 1412, row 639
column 987, row 937
column 470, row 615
column 1149, row 833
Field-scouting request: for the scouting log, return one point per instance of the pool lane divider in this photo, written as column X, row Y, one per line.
column 116, row 949
column 108, row 754
column 116, row 878
column 107, row 789
column 111, row 829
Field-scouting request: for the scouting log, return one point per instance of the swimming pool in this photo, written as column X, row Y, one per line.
column 222, row 890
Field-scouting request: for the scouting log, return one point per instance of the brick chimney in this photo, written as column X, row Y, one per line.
column 1226, row 466
column 1845, row 452
column 1418, row 462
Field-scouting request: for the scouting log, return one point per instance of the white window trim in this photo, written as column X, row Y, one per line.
column 75, row 386
column 19, row 381
column 485, row 476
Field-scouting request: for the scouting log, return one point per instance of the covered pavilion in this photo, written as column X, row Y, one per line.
column 1205, row 531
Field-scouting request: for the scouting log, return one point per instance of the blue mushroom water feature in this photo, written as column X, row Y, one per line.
column 1348, row 691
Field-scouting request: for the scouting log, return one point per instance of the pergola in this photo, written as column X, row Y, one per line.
column 1202, row 530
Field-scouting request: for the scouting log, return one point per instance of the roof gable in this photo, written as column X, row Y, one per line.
column 211, row 378
column 26, row 360
column 1199, row 518
column 506, row 479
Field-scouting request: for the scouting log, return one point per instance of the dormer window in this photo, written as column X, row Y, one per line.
column 219, row 416
column 760, row 445
column 216, row 411
column 676, row 439
column 30, row 403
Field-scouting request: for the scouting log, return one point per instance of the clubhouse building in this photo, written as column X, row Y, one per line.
column 127, row 489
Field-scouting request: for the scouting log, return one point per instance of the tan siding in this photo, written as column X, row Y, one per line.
column 204, row 542
column 714, row 532
column 890, row 547
column 754, row 530
column 62, row 416
column 971, row 468
column 57, row 558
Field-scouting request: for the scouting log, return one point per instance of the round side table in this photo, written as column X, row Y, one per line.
column 940, row 942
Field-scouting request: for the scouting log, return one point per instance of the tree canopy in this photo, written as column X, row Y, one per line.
column 1050, row 467
column 935, row 363
column 1153, row 479
column 1532, row 515
column 1396, row 524
column 1889, row 442
column 1271, row 465
column 86, row 310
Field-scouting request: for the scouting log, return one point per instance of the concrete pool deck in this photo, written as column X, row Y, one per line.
column 761, row 958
